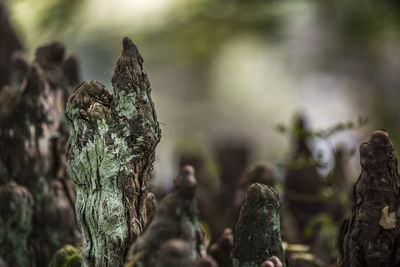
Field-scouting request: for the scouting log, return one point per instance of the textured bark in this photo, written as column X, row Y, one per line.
column 16, row 224
column 175, row 218
column 207, row 187
column 110, row 153
column 32, row 127
column 257, row 233
column 371, row 237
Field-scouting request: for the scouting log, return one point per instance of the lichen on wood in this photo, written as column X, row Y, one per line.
column 110, row 153
column 371, row 237
column 175, row 218
column 257, row 233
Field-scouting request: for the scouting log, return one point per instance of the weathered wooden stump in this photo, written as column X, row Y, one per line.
column 110, row 154
column 371, row 237
column 257, row 233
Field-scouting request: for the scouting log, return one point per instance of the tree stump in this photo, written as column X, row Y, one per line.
column 110, row 153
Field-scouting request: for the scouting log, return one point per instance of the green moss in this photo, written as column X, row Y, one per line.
column 68, row 256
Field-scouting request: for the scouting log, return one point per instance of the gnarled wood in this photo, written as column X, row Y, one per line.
column 110, row 153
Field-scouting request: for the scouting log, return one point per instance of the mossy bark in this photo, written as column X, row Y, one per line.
column 110, row 153
column 371, row 237
column 257, row 233
column 175, row 218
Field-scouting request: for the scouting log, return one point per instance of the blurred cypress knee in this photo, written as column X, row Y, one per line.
column 31, row 127
column 110, row 154
column 371, row 237
column 16, row 210
column 259, row 173
column 222, row 250
column 175, row 252
column 257, row 233
column 232, row 160
column 175, row 218
column 303, row 184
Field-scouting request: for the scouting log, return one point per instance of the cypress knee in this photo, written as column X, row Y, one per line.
column 257, row 233
column 175, row 218
column 371, row 237
column 110, row 153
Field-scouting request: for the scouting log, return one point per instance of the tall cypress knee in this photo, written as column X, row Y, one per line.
column 371, row 237
column 110, row 153
column 257, row 233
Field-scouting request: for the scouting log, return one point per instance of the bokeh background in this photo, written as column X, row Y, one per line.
column 232, row 69
column 235, row 73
